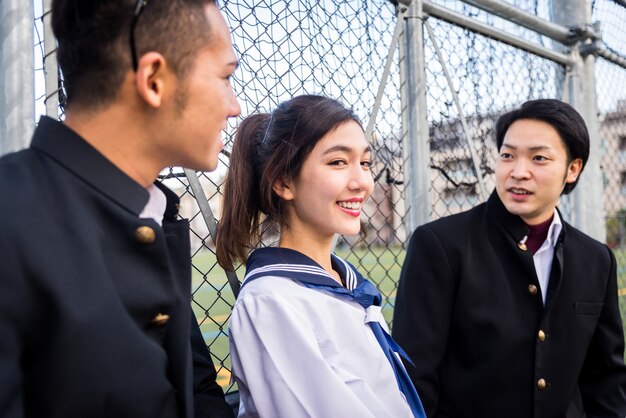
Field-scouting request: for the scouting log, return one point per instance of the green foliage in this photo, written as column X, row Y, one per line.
column 616, row 229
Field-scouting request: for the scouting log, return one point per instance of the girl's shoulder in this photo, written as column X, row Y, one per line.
column 270, row 286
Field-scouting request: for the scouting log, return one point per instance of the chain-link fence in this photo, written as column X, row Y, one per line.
column 467, row 75
column 611, row 90
column 475, row 65
column 489, row 76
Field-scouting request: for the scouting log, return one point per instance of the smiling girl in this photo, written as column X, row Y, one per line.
column 307, row 337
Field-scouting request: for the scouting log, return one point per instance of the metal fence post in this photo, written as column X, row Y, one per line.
column 417, row 150
column 587, row 202
column 17, row 80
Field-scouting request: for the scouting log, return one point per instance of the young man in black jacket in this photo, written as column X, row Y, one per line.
column 95, row 275
column 506, row 309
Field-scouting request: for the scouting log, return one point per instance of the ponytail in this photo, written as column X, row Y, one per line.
column 238, row 230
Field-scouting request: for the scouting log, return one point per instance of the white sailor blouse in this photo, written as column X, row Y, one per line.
column 300, row 350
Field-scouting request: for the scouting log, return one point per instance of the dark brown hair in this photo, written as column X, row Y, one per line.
column 94, row 47
column 562, row 117
column 269, row 147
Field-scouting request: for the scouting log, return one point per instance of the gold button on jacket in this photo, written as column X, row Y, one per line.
column 542, row 384
column 145, row 235
column 160, row 319
column 541, row 335
column 532, row 289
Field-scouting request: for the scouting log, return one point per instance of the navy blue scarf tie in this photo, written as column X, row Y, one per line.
column 282, row 262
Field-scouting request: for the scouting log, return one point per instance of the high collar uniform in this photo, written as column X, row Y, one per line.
column 469, row 313
column 94, row 301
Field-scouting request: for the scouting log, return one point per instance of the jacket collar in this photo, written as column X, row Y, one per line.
column 513, row 224
column 66, row 147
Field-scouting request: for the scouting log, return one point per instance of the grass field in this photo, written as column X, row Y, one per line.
column 213, row 298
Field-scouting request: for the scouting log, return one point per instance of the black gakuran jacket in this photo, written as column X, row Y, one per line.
column 95, row 313
column 469, row 312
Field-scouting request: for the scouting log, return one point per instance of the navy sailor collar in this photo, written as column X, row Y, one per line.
column 297, row 266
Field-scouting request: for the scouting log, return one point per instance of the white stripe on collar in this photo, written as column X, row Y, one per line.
column 351, row 281
column 350, row 275
column 295, row 268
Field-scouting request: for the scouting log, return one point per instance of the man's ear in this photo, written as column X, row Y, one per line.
column 573, row 170
column 152, row 77
column 284, row 189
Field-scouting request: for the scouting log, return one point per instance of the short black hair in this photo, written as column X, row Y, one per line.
column 94, row 47
column 561, row 116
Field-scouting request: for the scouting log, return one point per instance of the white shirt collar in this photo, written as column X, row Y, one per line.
column 553, row 232
column 555, row 229
column 545, row 254
column 155, row 208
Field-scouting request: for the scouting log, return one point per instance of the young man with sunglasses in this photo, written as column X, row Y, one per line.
column 95, row 275
column 507, row 310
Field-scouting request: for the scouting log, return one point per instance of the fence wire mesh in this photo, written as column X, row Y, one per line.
column 40, row 55
column 480, row 69
column 612, row 16
column 339, row 49
column 611, row 92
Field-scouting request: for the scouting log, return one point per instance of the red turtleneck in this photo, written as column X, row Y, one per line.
column 537, row 234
